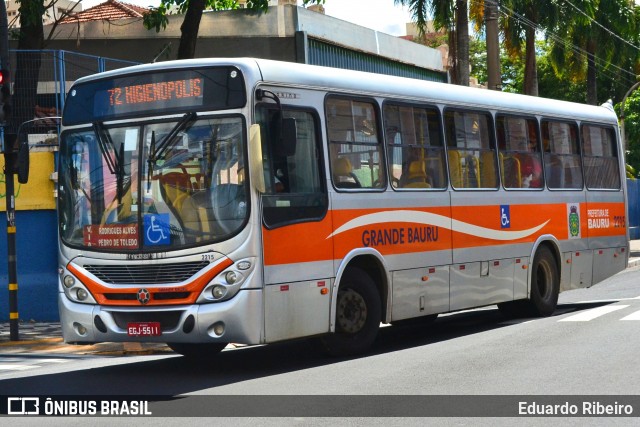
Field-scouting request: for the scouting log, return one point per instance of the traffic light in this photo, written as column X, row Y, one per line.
column 5, row 96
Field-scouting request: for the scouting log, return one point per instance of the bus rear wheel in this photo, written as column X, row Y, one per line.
column 545, row 283
column 358, row 314
column 197, row 351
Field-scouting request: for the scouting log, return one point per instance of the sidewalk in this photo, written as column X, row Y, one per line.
column 46, row 338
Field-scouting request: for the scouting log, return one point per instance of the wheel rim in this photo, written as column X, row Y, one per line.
column 544, row 279
column 351, row 311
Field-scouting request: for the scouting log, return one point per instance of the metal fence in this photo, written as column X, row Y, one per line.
column 41, row 79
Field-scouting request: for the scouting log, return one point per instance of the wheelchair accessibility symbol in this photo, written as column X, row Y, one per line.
column 505, row 217
column 156, row 229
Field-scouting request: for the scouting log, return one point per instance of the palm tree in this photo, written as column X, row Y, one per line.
column 521, row 19
column 452, row 15
column 594, row 39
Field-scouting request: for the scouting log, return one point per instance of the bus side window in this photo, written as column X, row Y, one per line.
column 562, row 161
column 355, row 147
column 471, row 149
column 601, row 166
column 519, row 157
column 414, row 146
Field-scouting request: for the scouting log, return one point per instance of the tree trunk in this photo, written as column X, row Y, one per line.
column 453, row 56
column 28, row 61
column 462, row 32
column 530, row 66
column 493, row 46
column 592, row 86
column 189, row 29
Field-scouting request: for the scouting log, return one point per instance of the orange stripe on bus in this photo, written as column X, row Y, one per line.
column 472, row 226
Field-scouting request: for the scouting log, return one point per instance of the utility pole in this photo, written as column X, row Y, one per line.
column 10, row 162
column 493, row 47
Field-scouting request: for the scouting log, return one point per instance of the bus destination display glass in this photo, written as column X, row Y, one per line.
column 165, row 92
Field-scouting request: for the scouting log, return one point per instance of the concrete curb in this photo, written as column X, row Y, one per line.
column 46, row 338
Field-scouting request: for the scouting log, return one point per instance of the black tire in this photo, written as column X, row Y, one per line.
column 197, row 351
column 545, row 283
column 358, row 314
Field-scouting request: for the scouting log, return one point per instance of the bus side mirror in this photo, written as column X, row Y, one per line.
column 286, row 141
column 256, row 166
column 22, row 165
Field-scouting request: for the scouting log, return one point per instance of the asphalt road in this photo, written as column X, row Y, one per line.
column 587, row 348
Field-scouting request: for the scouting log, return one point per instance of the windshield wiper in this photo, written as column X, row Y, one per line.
column 151, row 160
column 166, row 142
column 104, row 142
column 115, row 163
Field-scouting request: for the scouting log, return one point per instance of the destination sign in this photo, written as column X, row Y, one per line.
column 155, row 92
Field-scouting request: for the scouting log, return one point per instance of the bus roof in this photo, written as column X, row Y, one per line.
column 364, row 83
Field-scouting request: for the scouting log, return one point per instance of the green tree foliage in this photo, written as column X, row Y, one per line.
column 632, row 131
column 593, row 39
column 157, row 18
column 452, row 15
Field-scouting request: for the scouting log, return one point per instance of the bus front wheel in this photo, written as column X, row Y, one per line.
column 197, row 351
column 358, row 314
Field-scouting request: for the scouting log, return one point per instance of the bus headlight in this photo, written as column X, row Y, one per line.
column 75, row 290
column 227, row 283
column 231, row 277
column 81, row 294
column 218, row 291
column 69, row 281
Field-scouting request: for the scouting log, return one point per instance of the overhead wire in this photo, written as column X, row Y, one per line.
column 604, row 64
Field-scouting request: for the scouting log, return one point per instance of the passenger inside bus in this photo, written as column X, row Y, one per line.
column 343, row 175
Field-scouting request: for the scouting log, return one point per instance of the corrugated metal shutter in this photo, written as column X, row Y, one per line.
column 329, row 55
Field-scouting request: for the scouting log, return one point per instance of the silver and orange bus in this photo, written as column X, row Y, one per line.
column 216, row 201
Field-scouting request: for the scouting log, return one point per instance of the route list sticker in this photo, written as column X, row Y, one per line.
column 117, row 236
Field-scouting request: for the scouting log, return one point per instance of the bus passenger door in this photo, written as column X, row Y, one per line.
column 296, row 251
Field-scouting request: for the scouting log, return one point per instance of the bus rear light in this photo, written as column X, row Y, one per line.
column 324, row 291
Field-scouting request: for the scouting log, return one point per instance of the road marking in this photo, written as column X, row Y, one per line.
column 587, row 315
column 15, row 367
column 632, row 316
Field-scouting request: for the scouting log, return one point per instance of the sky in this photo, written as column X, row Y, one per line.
column 380, row 15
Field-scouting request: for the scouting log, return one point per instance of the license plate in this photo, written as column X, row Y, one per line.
column 143, row 329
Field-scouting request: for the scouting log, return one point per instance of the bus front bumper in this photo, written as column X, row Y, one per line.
column 239, row 319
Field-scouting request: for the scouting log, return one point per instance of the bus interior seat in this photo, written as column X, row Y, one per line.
column 118, row 212
column 488, row 170
column 455, row 168
column 175, row 188
column 195, row 215
column 511, row 171
column 416, row 176
column 343, row 174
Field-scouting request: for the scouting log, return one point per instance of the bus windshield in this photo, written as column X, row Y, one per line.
column 153, row 187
